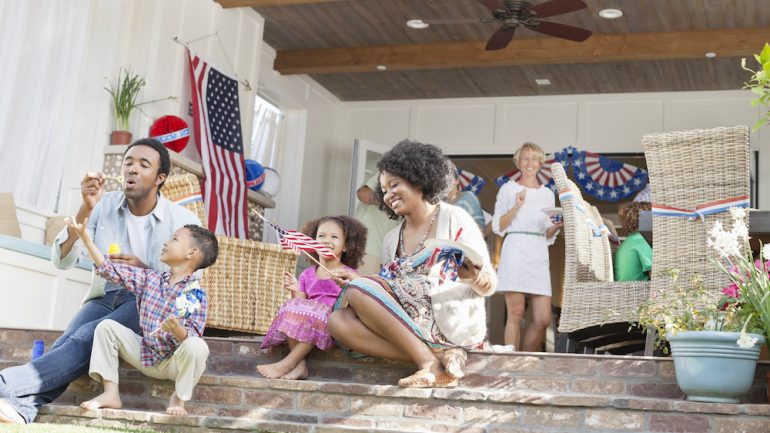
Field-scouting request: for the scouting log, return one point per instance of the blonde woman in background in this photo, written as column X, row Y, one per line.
column 523, row 269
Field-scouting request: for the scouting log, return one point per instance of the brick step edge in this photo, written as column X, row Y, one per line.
column 306, row 390
column 421, row 412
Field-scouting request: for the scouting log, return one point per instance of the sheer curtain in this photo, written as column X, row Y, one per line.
column 42, row 44
column 266, row 133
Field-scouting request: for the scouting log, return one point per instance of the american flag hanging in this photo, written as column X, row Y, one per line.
column 217, row 126
column 294, row 240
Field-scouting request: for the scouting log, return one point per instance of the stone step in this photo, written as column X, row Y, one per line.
column 504, row 393
column 310, row 406
column 538, row 372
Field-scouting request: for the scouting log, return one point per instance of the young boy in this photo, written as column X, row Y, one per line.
column 176, row 350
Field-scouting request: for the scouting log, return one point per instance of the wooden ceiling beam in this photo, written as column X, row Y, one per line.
column 260, row 3
column 547, row 50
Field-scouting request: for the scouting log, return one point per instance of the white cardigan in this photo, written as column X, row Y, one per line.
column 459, row 311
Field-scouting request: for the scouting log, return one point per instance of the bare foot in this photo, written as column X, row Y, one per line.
column 103, row 400
column 275, row 370
column 298, row 373
column 175, row 406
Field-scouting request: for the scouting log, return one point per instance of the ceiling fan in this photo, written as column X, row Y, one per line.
column 513, row 13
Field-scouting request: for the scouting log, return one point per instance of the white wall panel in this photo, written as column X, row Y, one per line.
column 618, row 126
column 710, row 113
column 550, row 125
column 458, row 129
column 387, row 126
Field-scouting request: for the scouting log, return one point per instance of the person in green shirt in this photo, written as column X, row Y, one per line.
column 633, row 260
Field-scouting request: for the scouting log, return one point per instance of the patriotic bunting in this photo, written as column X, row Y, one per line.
column 470, row 182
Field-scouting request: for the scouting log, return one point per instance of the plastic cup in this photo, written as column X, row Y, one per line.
column 38, row 347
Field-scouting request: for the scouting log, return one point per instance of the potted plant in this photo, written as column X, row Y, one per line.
column 760, row 83
column 124, row 94
column 715, row 338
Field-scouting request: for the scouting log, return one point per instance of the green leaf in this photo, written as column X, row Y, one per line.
column 764, row 56
column 759, row 124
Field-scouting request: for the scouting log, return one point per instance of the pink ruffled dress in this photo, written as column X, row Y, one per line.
column 304, row 320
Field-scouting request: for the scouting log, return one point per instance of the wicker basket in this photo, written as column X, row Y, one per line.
column 185, row 189
column 687, row 169
column 245, row 285
column 591, row 297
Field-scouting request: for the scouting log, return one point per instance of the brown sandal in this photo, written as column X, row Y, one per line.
column 446, row 380
column 454, row 361
column 421, row 379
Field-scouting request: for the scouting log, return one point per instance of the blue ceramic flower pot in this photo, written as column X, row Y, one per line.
column 711, row 367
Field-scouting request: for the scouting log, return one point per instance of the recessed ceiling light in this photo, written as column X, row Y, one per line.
column 417, row 24
column 610, row 14
column 543, row 81
column 711, row 54
column 382, row 67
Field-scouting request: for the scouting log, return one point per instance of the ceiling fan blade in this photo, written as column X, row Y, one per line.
column 501, row 38
column 452, row 21
column 493, row 5
column 554, row 7
column 559, row 30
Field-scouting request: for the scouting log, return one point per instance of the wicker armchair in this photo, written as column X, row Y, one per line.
column 591, row 298
column 245, row 285
column 687, row 169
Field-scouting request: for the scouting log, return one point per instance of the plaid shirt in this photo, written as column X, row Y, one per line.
column 155, row 303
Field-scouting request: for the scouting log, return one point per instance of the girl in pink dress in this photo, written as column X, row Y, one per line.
column 301, row 321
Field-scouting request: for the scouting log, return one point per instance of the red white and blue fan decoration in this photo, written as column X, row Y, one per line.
column 470, row 182
column 606, row 178
column 603, row 178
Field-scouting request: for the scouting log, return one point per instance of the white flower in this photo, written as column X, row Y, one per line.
column 741, row 230
column 717, row 229
column 738, row 213
column 766, row 252
column 746, row 342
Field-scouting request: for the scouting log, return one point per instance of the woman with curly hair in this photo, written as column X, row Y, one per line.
column 301, row 321
column 633, row 259
column 412, row 311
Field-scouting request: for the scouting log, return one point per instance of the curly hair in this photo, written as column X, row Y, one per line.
column 355, row 238
column 629, row 214
column 424, row 166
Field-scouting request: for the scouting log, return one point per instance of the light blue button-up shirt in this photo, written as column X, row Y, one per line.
column 107, row 225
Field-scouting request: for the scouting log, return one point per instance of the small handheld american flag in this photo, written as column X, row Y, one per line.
column 294, row 240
